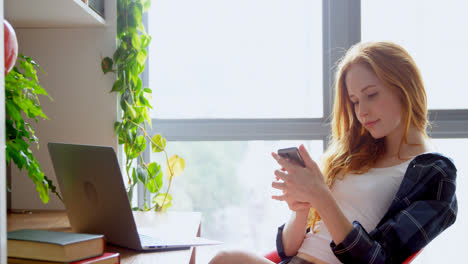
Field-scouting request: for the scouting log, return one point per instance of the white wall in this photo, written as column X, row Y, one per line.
column 83, row 110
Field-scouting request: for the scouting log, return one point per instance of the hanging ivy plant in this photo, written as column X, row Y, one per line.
column 128, row 62
column 22, row 90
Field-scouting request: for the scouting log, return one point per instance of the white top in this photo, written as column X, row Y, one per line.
column 364, row 198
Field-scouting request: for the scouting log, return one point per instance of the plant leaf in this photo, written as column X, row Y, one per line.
column 131, row 111
column 142, row 175
column 159, row 179
column 163, row 201
column 107, row 64
column 151, row 186
column 136, row 42
column 146, row 5
column 147, row 116
column 141, row 143
column 52, row 188
column 141, row 58
column 43, row 190
column 130, row 193
column 118, row 86
column 153, row 169
column 158, row 143
column 134, row 14
column 176, row 165
column 21, row 99
column 134, row 176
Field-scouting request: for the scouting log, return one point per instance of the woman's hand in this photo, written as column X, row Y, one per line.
column 301, row 187
column 306, row 185
column 297, row 206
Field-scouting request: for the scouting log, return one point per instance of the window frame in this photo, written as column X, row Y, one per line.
column 341, row 28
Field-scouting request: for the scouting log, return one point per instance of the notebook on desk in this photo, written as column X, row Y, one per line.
column 94, row 194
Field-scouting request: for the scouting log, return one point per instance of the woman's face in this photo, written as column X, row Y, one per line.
column 377, row 107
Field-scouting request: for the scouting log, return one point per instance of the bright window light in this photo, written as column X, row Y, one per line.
column 434, row 33
column 236, row 59
column 230, row 183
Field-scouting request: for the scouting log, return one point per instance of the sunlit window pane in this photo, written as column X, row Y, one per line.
column 434, row 33
column 450, row 245
column 236, row 59
column 230, row 183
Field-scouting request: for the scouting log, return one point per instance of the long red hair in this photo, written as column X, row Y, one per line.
column 352, row 148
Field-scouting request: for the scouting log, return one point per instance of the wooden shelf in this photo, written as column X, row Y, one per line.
column 51, row 14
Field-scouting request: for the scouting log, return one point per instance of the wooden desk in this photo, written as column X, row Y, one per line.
column 179, row 224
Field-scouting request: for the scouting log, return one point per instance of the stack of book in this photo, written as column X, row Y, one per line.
column 31, row 246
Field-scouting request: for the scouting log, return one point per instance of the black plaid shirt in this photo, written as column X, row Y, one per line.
column 423, row 207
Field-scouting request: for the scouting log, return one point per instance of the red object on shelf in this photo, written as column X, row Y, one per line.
column 10, row 45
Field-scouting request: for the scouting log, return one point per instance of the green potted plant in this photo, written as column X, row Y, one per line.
column 128, row 62
column 22, row 91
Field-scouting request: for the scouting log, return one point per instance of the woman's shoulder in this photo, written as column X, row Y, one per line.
column 429, row 157
column 435, row 161
column 428, row 154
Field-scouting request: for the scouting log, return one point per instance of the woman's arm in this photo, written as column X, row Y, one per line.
column 294, row 232
column 332, row 216
column 424, row 206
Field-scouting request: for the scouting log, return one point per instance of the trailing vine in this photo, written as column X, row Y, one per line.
column 128, row 62
column 22, row 90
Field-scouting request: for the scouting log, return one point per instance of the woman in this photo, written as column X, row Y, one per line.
column 381, row 193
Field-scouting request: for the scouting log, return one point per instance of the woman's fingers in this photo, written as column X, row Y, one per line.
column 279, row 197
column 285, row 164
column 278, row 185
column 280, row 175
column 309, row 162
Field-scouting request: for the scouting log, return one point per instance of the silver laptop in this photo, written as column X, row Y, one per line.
column 94, row 194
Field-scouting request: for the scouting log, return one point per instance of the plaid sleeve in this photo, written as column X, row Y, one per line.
column 411, row 228
column 279, row 245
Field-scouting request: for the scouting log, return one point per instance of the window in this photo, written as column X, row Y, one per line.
column 233, row 81
column 236, row 59
column 236, row 80
column 229, row 182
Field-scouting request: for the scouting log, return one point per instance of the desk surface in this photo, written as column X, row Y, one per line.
column 180, row 224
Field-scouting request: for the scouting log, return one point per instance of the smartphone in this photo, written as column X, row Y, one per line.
column 292, row 154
